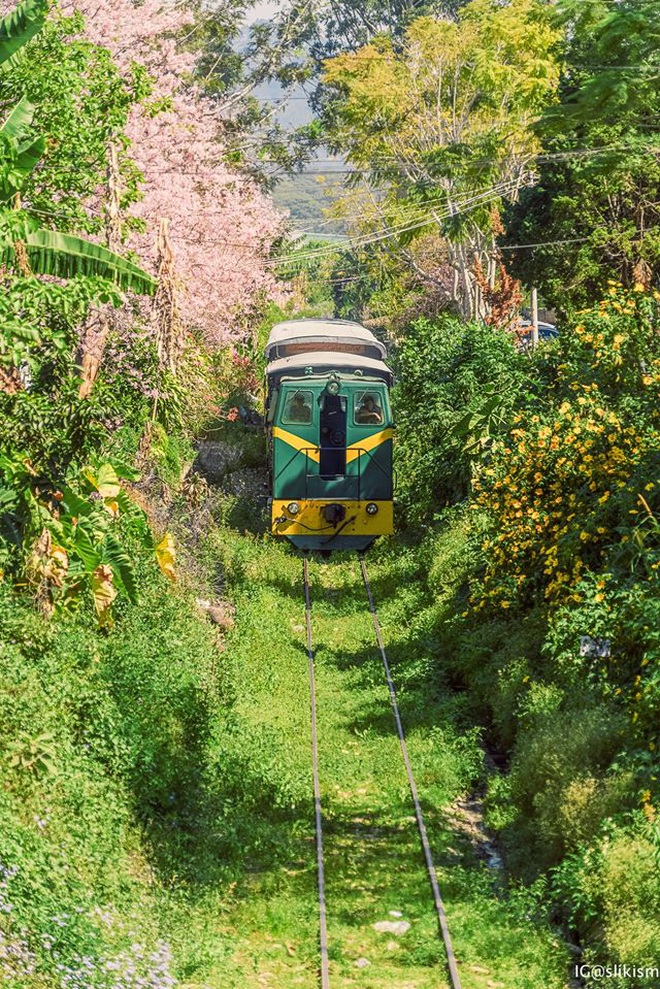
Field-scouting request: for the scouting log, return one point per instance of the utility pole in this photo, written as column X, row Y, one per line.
column 535, row 318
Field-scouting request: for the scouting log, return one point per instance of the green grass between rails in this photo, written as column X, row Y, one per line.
column 373, row 858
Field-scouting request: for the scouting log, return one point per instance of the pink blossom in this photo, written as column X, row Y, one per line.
column 221, row 225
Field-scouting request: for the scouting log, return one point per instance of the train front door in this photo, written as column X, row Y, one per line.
column 332, row 440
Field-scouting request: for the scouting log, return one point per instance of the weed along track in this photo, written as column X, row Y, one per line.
column 318, row 821
column 394, row 926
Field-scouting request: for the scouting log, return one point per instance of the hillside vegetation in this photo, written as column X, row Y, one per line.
column 551, row 603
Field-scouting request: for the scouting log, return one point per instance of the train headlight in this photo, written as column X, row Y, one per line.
column 372, row 508
column 293, row 508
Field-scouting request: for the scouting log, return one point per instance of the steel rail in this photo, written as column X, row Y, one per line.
column 430, row 867
column 320, row 868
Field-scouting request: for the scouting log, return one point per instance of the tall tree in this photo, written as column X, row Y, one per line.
column 289, row 48
column 594, row 209
column 27, row 238
column 438, row 131
column 221, row 226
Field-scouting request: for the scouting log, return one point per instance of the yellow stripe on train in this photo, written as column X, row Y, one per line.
column 353, row 451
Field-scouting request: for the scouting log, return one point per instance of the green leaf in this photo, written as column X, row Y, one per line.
column 23, row 332
column 29, row 156
column 19, row 120
column 85, row 549
column 27, row 149
column 19, row 26
column 107, row 482
column 116, row 556
column 74, row 505
column 65, row 256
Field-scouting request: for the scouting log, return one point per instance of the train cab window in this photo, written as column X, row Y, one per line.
column 298, row 408
column 368, row 409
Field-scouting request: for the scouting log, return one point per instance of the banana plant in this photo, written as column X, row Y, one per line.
column 23, row 242
column 19, row 26
column 83, row 545
column 80, row 537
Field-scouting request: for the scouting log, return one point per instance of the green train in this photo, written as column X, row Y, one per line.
column 330, row 431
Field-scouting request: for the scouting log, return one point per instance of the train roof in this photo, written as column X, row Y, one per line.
column 322, row 362
column 296, row 336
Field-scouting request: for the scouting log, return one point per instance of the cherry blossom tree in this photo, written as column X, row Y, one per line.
column 220, row 225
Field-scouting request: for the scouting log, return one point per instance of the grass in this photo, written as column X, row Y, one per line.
column 268, row 924
column 178, row 804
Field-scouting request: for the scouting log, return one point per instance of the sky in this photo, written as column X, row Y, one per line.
column 262, row 10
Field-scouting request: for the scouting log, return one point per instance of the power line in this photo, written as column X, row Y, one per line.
column 474, row 202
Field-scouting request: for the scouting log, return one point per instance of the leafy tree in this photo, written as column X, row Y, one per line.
column 327, row 30
column 439, row 132
column 596, row 199
column 454, row 380
column 200, row 219
column 289, row 48
column 29, row 328
column 23, row 242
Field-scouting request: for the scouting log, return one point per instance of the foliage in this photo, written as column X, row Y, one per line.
column 595, row 202
column 19, row 26
column 449, row 375
column 100, row 732
column 583, row 466
column 78, row 109
column 23, row 244
column 220, row 226
column 546, row 585
column 76, row 539
column 442, row 129
column 613, row 886
column 43, row 419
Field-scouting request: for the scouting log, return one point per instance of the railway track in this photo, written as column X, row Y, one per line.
column 443, row 927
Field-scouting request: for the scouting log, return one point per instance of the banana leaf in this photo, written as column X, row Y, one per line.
column 19, row 26
column 65, row 256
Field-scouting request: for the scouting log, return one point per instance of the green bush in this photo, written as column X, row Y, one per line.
column 611, row 893
column 71, row 900
column 444, row 370
column 548, row 605
column 559, row 776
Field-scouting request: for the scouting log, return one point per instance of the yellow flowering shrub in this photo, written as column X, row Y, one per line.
column 568, row 488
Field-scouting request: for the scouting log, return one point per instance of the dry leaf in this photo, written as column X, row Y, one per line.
column 166, row 556
column 104, row 593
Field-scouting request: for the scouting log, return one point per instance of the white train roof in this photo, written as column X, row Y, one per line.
column 323, row 361
column 296, row 336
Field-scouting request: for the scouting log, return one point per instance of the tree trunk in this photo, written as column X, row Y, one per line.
column 169, row 329
column 99, row 324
